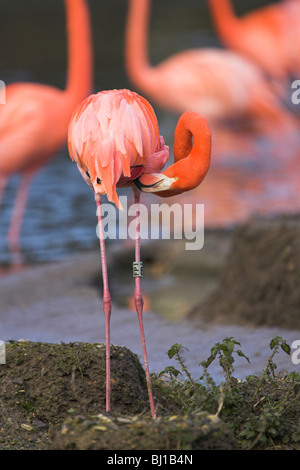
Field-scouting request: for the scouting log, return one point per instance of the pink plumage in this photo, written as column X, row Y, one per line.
column 114, row 138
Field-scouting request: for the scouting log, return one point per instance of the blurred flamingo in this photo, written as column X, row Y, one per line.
column 292, row 11
column 265, row 35
column 114, row 140
column 34, row 120
column 219, row 84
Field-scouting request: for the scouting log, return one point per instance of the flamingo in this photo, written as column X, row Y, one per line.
column 34, row 121
column 292, row 12
column 265, row 35
column 114, row 140
column 216, row 83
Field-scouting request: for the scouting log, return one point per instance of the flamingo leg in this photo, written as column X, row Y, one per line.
column 138, row 300
column 18, row 212
column 106, row 301
column 3, row 183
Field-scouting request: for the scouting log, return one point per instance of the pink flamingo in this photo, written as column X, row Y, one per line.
column 34, row 121
column 265, row 35
column 114, row 140
column 292, row 11
column 216, row 83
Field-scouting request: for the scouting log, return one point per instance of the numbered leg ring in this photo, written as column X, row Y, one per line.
column 138, row 269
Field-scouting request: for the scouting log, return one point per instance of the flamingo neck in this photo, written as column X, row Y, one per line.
column 80, row 61
column 136, row 41
column 224, row 16
column 192, row 150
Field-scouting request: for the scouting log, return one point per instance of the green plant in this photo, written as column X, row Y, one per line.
column 224, row 352
column 263, row 412
column 187, row 393
column 269, row 371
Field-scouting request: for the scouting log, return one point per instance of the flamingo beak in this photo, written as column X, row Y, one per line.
column 154, row 182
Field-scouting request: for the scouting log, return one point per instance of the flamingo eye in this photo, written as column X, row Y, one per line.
column 98, row 181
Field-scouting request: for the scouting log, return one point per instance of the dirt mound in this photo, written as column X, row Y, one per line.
column 43, row 384
column 260, row 281
column 52, row 396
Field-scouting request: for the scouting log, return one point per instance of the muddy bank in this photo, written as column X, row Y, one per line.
column 259, row 283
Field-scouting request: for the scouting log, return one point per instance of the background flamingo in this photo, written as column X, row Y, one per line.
column 292, row 11
column 217, row 83
column 114, row 139
column 266, row 35
column 34, row 120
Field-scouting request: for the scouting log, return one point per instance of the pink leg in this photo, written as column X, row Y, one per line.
column 106, row 301
column 3, row 182
column 18, row 211
column 139, row 303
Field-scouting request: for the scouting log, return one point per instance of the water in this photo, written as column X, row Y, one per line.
column 248, row 176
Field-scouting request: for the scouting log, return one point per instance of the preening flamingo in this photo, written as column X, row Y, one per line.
column 34, row 121
column 114, row 140
column 265, row 35
column 218, row 84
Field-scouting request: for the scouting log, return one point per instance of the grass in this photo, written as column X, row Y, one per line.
column 262, row 411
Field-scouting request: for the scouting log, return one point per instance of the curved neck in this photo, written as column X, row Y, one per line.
column 136, row 40
column 80, row 52
column 223, row 15
column 192, row 150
